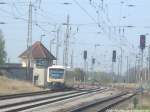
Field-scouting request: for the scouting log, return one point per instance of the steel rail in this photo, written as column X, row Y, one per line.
column 115, row 103
column 19, row 95
column 11, row 96
column 44, row 103
column 35, row 100
column 101, row 101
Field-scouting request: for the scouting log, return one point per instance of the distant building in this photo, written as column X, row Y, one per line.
column 41, row 58
column 16, row 71
column 12, row 65
column 39, row 54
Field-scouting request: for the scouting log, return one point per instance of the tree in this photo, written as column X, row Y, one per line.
column 77, row 73
column 2, row 49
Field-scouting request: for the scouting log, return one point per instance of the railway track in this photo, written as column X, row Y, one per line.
column 103, row 104
column 24, row 104
column 4, row 97
column 19, row 95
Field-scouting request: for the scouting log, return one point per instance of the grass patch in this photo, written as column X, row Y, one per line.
column 10, row 86
column 145, row 107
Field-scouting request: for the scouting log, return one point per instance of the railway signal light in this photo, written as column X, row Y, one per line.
column 142, row 41
column 114, row 56
column 93, row 61
column 85, row 54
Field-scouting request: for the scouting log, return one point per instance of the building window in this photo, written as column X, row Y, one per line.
column 41, row 63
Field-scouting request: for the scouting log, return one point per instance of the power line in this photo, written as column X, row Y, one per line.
column 18, row 11
column 92, row 18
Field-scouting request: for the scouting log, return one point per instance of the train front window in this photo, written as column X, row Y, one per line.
column 56, row 73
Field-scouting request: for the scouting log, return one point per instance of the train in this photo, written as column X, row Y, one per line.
column 59, row 78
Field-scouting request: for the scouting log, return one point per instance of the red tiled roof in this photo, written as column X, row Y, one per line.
column 38, row 51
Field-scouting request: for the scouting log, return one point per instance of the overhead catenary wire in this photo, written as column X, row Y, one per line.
column 85, row 11
column 16, row 8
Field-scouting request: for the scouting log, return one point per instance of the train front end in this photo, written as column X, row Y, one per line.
column 55, row 77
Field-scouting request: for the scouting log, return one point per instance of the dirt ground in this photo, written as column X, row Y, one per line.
column 9, row 86
column 143, row 102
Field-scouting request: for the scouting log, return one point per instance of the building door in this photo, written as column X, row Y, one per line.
column 36, row 77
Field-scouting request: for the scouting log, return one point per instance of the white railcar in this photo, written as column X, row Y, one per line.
column 58, row 77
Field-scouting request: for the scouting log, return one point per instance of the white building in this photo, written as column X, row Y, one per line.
column 40, row 59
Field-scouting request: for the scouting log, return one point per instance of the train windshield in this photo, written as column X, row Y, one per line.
column 56, row 73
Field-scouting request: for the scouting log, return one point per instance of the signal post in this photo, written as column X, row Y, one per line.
column 113, row 62
column 85, row 65
column 142, row 47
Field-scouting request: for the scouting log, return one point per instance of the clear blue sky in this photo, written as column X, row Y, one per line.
column 84, row 17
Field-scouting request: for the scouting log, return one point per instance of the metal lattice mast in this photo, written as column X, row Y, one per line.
column 29, row 40
column 149, row 62
column 66, row 44
column 57, row 45
column 72, row 59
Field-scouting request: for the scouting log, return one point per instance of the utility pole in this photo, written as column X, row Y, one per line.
column 138, row 73
column 135, row 71
column 112, row 67
column 136, row 68
column 66, row 43
column 121, row 55
column 147, row 67
column 141, row 79
column 50, row 45
column 141, row 64
column 29, row 41
column 127, row 69
column 113, row 62
column 142, row 47
column 57, row 45
column 92, row 66
column 71, row 63
column 149, row 63
column 85, row 65
column 118, row 69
